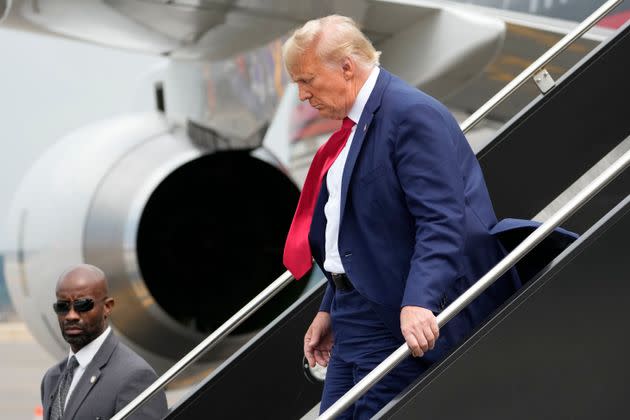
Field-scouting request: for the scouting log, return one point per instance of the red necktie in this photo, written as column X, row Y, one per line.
column 297, row 251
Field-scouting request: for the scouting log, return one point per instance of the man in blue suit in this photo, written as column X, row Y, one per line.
column 400, row 224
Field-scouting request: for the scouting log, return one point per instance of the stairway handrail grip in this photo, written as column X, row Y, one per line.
column 286, row 278
column 537, row 65
column 486, row 281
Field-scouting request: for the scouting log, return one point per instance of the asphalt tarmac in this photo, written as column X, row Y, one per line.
column 23, row 362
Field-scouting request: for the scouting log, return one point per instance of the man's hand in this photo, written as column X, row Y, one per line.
column 420, row 329
column 318, row 341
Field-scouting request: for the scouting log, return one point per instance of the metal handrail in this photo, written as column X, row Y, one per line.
column 475, row 290
column 524, row 247
column 537, row 65
column 226, row 328
column 286, row 278
column 486, row 281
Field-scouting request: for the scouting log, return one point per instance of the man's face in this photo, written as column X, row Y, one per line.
column 80, row 328
column 326, row 87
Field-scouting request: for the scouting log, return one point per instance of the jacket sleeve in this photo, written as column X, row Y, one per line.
column 426, row 165
column 327, row 300
column 137, row 382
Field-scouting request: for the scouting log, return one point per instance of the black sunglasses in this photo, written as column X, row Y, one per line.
column 80, row 305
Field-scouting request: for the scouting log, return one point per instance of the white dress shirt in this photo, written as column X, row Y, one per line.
column 332, row 210
column 84, row 357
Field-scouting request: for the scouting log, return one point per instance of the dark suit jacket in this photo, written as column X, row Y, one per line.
column 119, row 375
column 415, row 212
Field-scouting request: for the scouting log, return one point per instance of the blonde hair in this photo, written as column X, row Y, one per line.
column 333, row 37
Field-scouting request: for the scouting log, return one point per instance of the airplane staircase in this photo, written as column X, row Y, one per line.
column 535, row 157
column 557, row 350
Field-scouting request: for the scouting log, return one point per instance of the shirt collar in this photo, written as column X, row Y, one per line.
column 363, row 96
column 87, row 353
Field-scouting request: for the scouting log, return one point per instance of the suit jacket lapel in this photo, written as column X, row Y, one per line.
column 372, row 105
column 90, row 376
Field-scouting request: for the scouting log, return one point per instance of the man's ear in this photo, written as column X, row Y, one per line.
column 348, row 68
column 109, row 305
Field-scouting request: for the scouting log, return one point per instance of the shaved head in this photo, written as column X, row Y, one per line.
column 84, row 275
column 83, row 296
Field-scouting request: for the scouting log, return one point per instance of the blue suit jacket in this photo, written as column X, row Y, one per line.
column 415, row 212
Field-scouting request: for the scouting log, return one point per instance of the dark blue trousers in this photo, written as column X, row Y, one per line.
column 362, row 341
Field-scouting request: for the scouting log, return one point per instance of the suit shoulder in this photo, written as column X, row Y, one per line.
column 46, row 379
column 128, row 362
column 56, row 368
column 400, row 97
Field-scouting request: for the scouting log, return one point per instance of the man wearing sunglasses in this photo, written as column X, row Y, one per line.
column 100, row 375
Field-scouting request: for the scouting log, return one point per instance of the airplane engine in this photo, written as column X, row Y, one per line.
column 186, row 236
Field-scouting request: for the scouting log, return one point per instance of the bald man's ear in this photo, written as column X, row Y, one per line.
column 109, row 305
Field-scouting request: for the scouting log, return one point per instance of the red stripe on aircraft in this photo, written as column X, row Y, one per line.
column 616, row 20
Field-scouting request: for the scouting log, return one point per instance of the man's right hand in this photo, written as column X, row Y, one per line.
column 318, row 341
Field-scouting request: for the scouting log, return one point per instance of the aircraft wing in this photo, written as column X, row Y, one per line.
column 459, row 51
column 429, row 44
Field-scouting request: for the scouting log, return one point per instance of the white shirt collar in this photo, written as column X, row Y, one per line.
column 363, row 96
column 87, row 353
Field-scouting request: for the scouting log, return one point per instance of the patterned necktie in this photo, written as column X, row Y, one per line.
column 62, row 391
column 297, row 251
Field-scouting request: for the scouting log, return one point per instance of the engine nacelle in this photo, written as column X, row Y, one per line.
column 186, row 236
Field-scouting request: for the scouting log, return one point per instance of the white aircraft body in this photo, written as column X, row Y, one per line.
column 186, row 208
